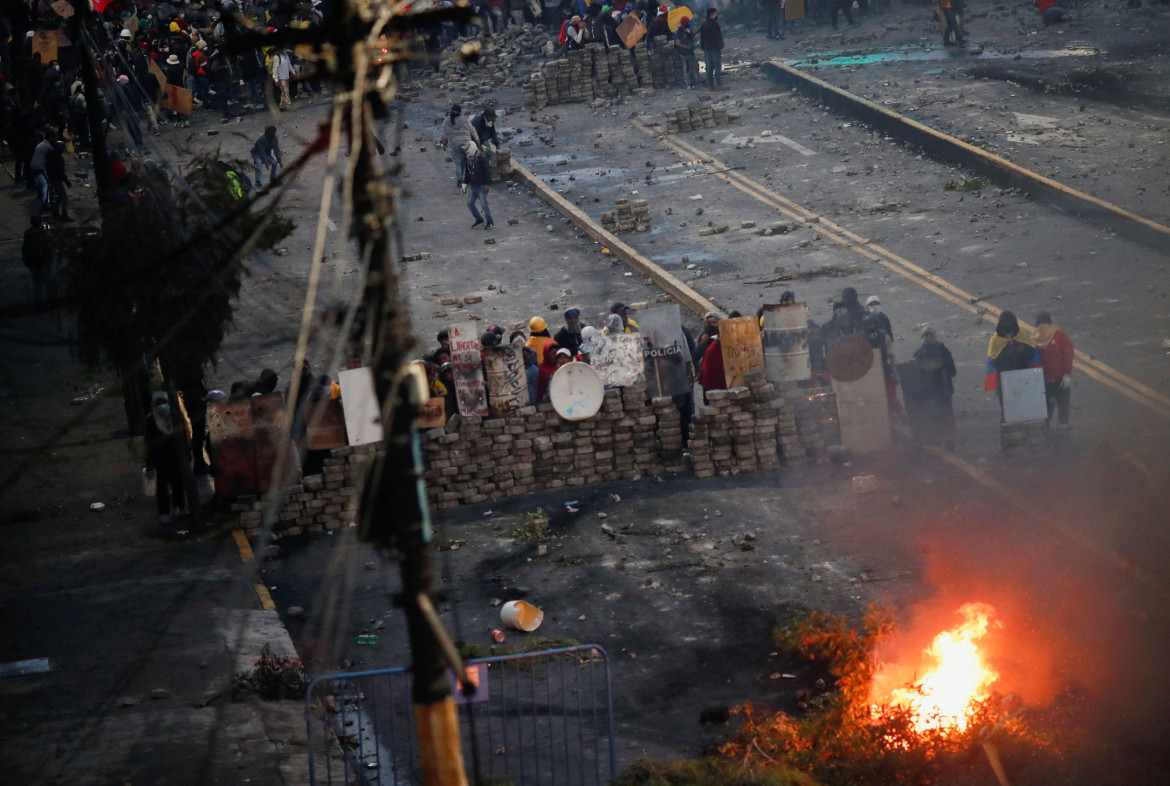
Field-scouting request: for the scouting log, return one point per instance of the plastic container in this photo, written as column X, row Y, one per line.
column 521, row 615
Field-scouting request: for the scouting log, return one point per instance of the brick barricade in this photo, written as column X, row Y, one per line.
column 474, row 459
column 593, row 73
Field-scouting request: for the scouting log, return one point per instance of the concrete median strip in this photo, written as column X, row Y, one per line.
column 674, row 287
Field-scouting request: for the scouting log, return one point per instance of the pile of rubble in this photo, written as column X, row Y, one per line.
column 628, row 217
column 700, row 114
column 593, row 73
column 499, row 56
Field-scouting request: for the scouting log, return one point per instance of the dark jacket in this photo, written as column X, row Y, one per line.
column 486, row 133
column 684, row 41
column 478, row 171
column 569, row 340
column 710, row 36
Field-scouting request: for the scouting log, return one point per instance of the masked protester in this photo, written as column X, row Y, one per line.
column 539, row 337
column 1008, row 351
column 570, row 336
column 456, row 134
column 873, row 305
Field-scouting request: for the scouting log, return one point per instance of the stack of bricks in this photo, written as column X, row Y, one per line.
column 627, row 217
column 816, row 419
column 501, row 164
column 670, row 436
column 592, row 73
column 474, row 459
column 321, row 502
column 700, row 114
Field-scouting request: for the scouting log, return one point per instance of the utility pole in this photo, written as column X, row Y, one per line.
column 394, row 512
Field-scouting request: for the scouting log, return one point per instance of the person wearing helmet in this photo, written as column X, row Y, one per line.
column 538, row 335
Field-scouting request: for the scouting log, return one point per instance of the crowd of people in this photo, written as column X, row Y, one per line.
column 145, row 48
column 926, row 379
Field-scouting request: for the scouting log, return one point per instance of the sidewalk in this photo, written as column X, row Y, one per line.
column 139, row 628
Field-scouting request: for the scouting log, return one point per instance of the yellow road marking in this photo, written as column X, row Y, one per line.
column 1101, row 372
column 265, row 599
column 243, row 545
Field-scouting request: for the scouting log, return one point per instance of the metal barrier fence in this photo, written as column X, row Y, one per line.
column 536, row 718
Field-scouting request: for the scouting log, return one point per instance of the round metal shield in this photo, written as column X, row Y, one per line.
column 576, row 391
column 849, row 357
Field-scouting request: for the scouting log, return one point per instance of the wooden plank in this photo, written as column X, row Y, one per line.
column 44, row 42
column 181, row 101
column 507, row 384
column 742, row 349
column 467, row 363
column 631, row 31
column 325, row 425
column 432, row 414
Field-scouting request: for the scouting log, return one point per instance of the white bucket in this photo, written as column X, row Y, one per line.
column 521, row 615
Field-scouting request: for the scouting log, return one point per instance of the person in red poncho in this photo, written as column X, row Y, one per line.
column 711, row 375
column 1056, row 355
column 547, row 367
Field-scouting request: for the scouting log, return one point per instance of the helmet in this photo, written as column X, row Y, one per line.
column 537, row 324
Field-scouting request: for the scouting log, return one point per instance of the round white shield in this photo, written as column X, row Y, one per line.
column 576, row 391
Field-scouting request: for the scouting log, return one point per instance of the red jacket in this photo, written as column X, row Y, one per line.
column 711, row 372
column 1056, row 352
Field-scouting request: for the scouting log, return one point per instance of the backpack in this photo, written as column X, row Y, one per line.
column 563, row 38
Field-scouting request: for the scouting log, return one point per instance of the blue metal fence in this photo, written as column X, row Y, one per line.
column 537, row 718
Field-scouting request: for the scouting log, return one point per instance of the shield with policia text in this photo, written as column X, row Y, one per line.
column 664, row 350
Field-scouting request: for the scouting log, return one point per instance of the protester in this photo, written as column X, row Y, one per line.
column 548, row 367
column 589, row 336
column 479, row 182
column 711, row 42
column 953, row 33
column 539, row 336
column 850, row 301
column 58, row 182
column 532, row 374
column 456, row 133
column 563, row 357
column 1008, row 351
column 684, row 44
column 711, row 372
column 880, row 340
column 485, row 128
column 774, row 10
column 37, row 253
column 843, row 5
column 570, row 336
column 873, row 305
column 710, row 332
column 266, row 153
column 623, row 311
column 282, row 71
column 165, row 448
column 929, row 387
column 1056, row 354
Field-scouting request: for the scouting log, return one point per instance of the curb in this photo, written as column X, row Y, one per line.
column 674, row 287
column 948, row 148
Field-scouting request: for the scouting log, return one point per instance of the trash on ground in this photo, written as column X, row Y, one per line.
column 521, row 615
column 863, row 484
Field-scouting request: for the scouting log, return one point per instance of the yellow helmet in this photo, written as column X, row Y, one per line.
column 536, row 324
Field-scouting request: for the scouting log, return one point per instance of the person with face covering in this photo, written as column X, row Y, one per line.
column 548, row 367
column 165, row 446
column 873, row 305
column 927, row 383
column 570, row 336
column 478, row 180
column 456, row 134
column 485, row 128
column 589, row 336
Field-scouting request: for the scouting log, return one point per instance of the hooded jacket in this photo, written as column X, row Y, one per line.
column 548, row 367
column 1056, row 352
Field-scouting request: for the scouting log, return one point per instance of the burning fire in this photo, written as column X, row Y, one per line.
column 958, row 677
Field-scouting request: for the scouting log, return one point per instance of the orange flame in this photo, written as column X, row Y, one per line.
column 944, row 699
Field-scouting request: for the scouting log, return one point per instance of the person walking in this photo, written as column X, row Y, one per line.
column 953, row 34
column 58, row 182
column 282, row 70
column 711, row 42
column 266, row 153
column 1056, row 354
column 165, row 446
column 684, row 44
column 479, row 182
column 844, row 5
